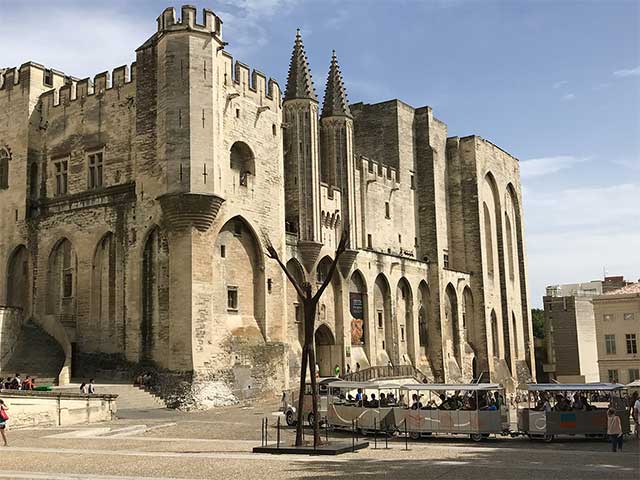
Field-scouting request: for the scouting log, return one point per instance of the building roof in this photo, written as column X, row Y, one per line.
column 335, row 96
column 626, row 290
column 299, row 82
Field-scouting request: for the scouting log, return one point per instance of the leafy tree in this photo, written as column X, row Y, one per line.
column 537, row 318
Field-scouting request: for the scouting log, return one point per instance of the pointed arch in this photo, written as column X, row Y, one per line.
column 385, row 341
column 5, row 157
column 239, row 272
column 155, row 293
column 18, row 275
column 452, row 321
column 62, row 271
column 325, row 341
column 358, row 309
column 242, row 162
column 103, row 291
column 404, row 318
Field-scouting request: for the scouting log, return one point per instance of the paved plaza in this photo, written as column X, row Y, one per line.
column 164, row 444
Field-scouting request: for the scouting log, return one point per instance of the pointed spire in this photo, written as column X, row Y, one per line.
column 335, row 95
column 299, row 83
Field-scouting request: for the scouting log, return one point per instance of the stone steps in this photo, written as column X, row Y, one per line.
column 129, row 396
column 37, row 355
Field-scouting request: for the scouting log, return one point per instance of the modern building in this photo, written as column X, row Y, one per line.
column 570, row 330
column 617, row 315
column 133, row 209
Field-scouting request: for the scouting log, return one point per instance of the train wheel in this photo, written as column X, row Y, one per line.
column 290, row 418
column 476, row 437
column 414, row 435
column 548, row 438
column 310, row 419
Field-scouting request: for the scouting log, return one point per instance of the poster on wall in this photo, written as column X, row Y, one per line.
column 356, row 308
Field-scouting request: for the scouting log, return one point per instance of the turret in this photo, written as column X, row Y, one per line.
column 336, row 139
column 302, row 168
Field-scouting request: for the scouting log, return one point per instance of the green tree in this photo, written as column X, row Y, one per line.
column 537, row 318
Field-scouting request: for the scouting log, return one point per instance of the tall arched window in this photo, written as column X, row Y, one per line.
column 242, row 162
column 4, row 168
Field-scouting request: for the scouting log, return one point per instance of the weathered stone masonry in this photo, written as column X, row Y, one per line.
column 135, row 205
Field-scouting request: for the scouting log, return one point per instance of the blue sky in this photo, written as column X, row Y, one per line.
column 555, row 83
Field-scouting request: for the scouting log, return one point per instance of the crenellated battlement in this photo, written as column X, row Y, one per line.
column 168, row 22
column 102, row 82
column 34, row 73
column 375, row 170
column 249, row 82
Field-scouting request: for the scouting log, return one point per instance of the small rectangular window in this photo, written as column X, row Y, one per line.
column 632, row 346
column 369, row 242
column 399, row 238
column 413, row 182
column 223, row 251
column 232, row 298
column 628, row 316
column 608, row 317
column 67, row 284
column 298, row 313
column 387, row 210
column 48, row 78
column 95, row 170
column 61, row 169
column 613, row 376
column 446, row 260
column 379, row 318
column 237, row 113
column 610, row 344
column 634, row 374
column 274, row 129
column 402, row 333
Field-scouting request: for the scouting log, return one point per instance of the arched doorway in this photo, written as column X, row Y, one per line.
column 324, row 343
column 155, row 288
column 404, row 318
column 360, row 326
column 18, row 280
column 385, row 341
column 61, row 281
column 239, row 271
column 452, row 322
column 103, row 292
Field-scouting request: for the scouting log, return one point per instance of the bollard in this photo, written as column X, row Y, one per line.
column 278, row 434
column 326, row 429
column 353, row 436
column 262, row 432
column 266, row 431
column 375, row 433
column 386, row 438
column 357, row 438
column 406, row 436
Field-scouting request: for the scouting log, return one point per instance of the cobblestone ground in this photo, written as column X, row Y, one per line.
column 164, row 444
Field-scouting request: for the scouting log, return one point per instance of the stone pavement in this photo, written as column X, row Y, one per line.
column 164, row 444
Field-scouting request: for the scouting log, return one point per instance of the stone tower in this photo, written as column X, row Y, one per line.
column 301, row 156
column 336, row 151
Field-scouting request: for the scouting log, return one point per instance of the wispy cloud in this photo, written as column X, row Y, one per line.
column 537, row 167
column 568, row 97
column 627, row 72
column 630, row 163
column 560, row 84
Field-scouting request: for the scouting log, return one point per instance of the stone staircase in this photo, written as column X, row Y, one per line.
column 130, row 397
column 386, row 372
column 36, row 354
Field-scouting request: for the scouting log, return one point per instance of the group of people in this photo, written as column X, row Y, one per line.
column 458, row 401
column 363, row 400
column 564, row 403
column 16, row 383
column 88, row 388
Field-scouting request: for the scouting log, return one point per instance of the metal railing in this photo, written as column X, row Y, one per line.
column 388, row 371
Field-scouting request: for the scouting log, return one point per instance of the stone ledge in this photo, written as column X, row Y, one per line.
column 61, row 395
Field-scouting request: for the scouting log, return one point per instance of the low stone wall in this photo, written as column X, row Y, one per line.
column 29, row 409
column 10, row 327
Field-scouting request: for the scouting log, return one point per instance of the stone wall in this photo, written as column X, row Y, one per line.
column 10, row 326
column 45, row 409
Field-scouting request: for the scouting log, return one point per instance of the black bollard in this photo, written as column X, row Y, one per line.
column 278, row 434
column 375, row 433
column 386, row 438
column 406, row 436
column 326, row 429
column 357, row 438
column 353, row 436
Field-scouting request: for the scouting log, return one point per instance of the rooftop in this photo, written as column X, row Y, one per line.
column 626, row 290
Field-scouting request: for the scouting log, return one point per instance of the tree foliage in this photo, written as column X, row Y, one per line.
column 537, row 318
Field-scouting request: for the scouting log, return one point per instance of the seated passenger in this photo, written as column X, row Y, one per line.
column 401, row 402
column 415, row 404
column 383, row 400
column 359, row 395
column 363, row 402
column 373, row 403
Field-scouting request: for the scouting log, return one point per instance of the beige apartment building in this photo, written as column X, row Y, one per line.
column 133, row 208
column 617, row 316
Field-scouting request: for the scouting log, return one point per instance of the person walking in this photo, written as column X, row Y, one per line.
column 3, row 421
column 614, row 430
column 91, row 387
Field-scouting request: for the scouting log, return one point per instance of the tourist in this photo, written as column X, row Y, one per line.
column 614, row 430
column 359, row 395
column 401, row 402
column 373, row 403
column 416, row 404
column 16, row 383
column 91, row 387
column 3, row 420
column 357, row 367
column 83, row 388
column 336, row 371
column 348, row 369
column 7, row 383
column 383, row 400
column 636, row 414
column 28, row 383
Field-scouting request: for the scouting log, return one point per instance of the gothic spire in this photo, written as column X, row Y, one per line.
column 335, row 95
column 299, row 83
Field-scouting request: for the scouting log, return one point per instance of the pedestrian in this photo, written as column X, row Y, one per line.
column 16, row 383
column 636, row 414
column 91, row 387
column 357, row 367
column 348, row 369
column 3, row 420
column 614, row 430
column 336, row 371
column 83, row 388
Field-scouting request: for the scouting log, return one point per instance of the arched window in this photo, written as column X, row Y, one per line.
column 242, row 162
column 4, row 168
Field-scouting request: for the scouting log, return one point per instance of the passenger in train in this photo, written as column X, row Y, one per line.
column 415, row 404
column 374, row 402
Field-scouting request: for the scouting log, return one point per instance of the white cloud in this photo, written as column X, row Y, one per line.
column 561, row 83
column 573, row 233
column 627, row 72
column 632, row 164
column 537, row 167
column 568, row 97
